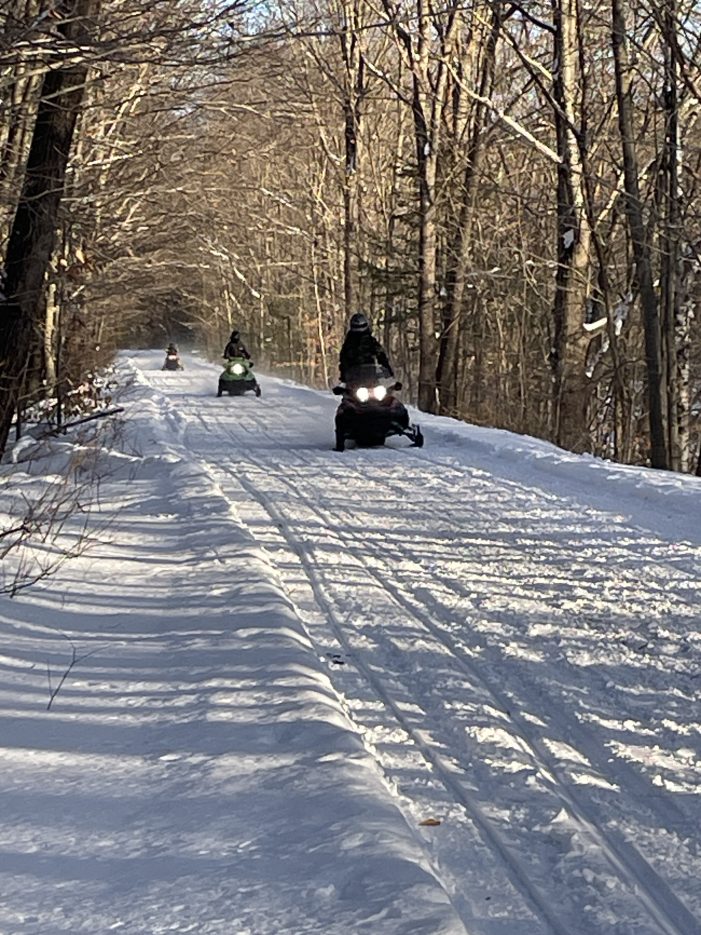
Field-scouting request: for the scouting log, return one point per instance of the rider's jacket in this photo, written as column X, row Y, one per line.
column 360, row 347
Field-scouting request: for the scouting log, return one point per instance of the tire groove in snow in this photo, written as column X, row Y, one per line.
column 432, row 757
column 537, row 899
column 664, row 908
column 661, row 904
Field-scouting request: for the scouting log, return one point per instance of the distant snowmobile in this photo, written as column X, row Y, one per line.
column 172, row 361
column 238, row 378
column 369, row 412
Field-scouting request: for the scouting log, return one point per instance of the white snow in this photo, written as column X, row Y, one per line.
column 279, row 662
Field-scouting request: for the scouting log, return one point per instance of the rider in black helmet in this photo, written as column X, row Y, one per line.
column 360, row 347
column 235, row 347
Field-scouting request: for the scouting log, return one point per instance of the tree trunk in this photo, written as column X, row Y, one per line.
column 641, row 250
column 674, row 328
column 429, row 75
column 354, row 81
column 461, row 247
column 50, row 323
column 390, row 292
column 427, row 259
column 34, row 228
column 571, row 387
column 430, row 85
column 22, row 101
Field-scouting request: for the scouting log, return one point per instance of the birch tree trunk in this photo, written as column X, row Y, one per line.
column 571, row 387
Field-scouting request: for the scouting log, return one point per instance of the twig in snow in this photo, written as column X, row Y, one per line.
column 75, row 658
column 96, row 415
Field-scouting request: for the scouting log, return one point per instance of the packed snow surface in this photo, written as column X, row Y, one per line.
column 278, row 690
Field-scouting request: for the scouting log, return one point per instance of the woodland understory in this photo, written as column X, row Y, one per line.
column 509, row 190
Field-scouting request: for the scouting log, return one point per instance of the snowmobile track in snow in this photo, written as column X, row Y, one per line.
column 538, row 902
column 292, row 488
column 625, row 860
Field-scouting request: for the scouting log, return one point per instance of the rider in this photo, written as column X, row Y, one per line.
column 172, row 361
column 360, row 347
column 235, row 347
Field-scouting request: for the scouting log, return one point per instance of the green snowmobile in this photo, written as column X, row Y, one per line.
column 238, row 378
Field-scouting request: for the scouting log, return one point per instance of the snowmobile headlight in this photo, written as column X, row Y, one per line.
column 363, row 394
column 237, row 368
column 380, row 392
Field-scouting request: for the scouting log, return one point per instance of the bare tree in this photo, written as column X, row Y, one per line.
column 641, row 249
column 33, row 231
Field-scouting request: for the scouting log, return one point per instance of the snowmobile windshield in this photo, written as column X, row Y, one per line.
column 364, row 375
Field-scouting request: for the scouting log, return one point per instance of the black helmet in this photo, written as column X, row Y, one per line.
column 359, row 322
column 235, row 335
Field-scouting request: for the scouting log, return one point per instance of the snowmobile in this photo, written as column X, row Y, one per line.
column 370, row 412
column 238, row 378
column 172, row 361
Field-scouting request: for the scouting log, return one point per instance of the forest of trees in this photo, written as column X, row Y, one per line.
column 510, row 189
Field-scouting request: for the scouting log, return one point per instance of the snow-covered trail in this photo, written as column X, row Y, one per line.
column 275, row 664
column 516, row 635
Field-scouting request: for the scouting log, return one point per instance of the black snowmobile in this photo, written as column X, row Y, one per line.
column 370, row 412
column 172, row 361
